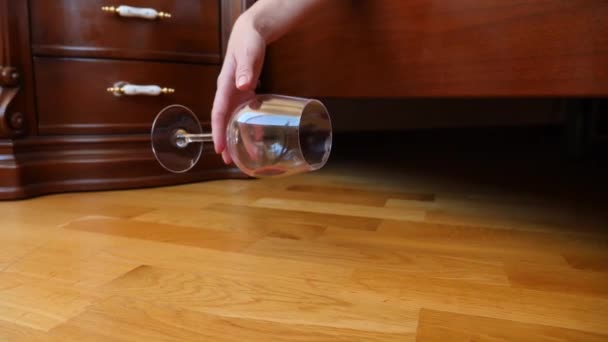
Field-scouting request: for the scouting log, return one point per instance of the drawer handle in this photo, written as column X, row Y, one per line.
column 136, row 12
column 131, row 89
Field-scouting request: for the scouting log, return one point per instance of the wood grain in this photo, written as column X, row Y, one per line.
column 501, row 302
column 37, row 304
column 447, row 326
column 119, row 316
column 396, row 49
column 95, row 111
column 298, row 216
column 557, row 278
column 233, row 264
column 234, row 260
column 180, row 235
column 77, row 29
column 391, row 260
column 14, row 332
column 247, row 225
column 80, row 268
column 585, row 259
column 343, row 194
column 483, row 251
column 340, row 208
column 266, row 298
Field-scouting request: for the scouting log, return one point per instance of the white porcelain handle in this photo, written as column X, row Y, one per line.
column 136, row 12
column 133, row 90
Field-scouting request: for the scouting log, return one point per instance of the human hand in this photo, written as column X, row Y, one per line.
column 237, row 80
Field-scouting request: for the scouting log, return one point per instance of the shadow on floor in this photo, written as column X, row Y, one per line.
column 522, row 161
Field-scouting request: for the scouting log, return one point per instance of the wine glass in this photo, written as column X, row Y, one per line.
column 267, row 136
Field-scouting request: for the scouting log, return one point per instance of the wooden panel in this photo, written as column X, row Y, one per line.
column 77, row 28
column 392, row 48
column 557, row 279
column 585, row 259
column 187, row 236
column 409, row 240
column 268, row 298
column 502, row 302
column 297, row 216
column 72, row 96
column 353, row 114
column 15, row 332
column 142, row 320
column 340, row 209
column 215, row 262
column 248, row 225
column 57, row 164
column 446, row 326
column 352, row 196
column 65, row 263
column 38, row 304
column 19, row 238
column 402, row 261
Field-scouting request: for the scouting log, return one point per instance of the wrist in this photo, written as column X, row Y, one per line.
column 256, row 21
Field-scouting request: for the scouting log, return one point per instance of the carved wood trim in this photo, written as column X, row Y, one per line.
column 7, row 94
column 63, row 163
column 9, row 77
column 13, row 103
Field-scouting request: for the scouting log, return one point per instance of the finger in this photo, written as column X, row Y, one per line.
column 226, row 157
column 221, row 106
column 248, row 66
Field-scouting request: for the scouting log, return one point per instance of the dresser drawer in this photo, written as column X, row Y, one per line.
column 73, row 97
column 82, row 29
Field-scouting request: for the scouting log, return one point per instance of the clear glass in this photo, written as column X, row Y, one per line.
column 169, row 129
column 268, row 136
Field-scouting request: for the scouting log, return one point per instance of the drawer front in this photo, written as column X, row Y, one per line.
column 82, row 29
column 73, row 97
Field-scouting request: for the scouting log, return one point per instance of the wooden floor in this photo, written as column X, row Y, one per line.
column 359, row 251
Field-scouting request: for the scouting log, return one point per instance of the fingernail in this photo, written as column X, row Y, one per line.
column 242, row 80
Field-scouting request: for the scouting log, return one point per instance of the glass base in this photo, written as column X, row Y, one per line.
column 167, row 139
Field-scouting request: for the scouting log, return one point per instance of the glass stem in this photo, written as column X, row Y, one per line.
column 183, row 138
column 204, row 137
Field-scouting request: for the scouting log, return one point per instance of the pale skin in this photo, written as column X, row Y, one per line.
column 263, row 23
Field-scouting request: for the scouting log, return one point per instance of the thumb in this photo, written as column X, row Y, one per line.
column 248, row 65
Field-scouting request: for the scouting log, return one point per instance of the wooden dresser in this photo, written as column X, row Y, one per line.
column 63, row 127
column 446, row 48
column 402, row 64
